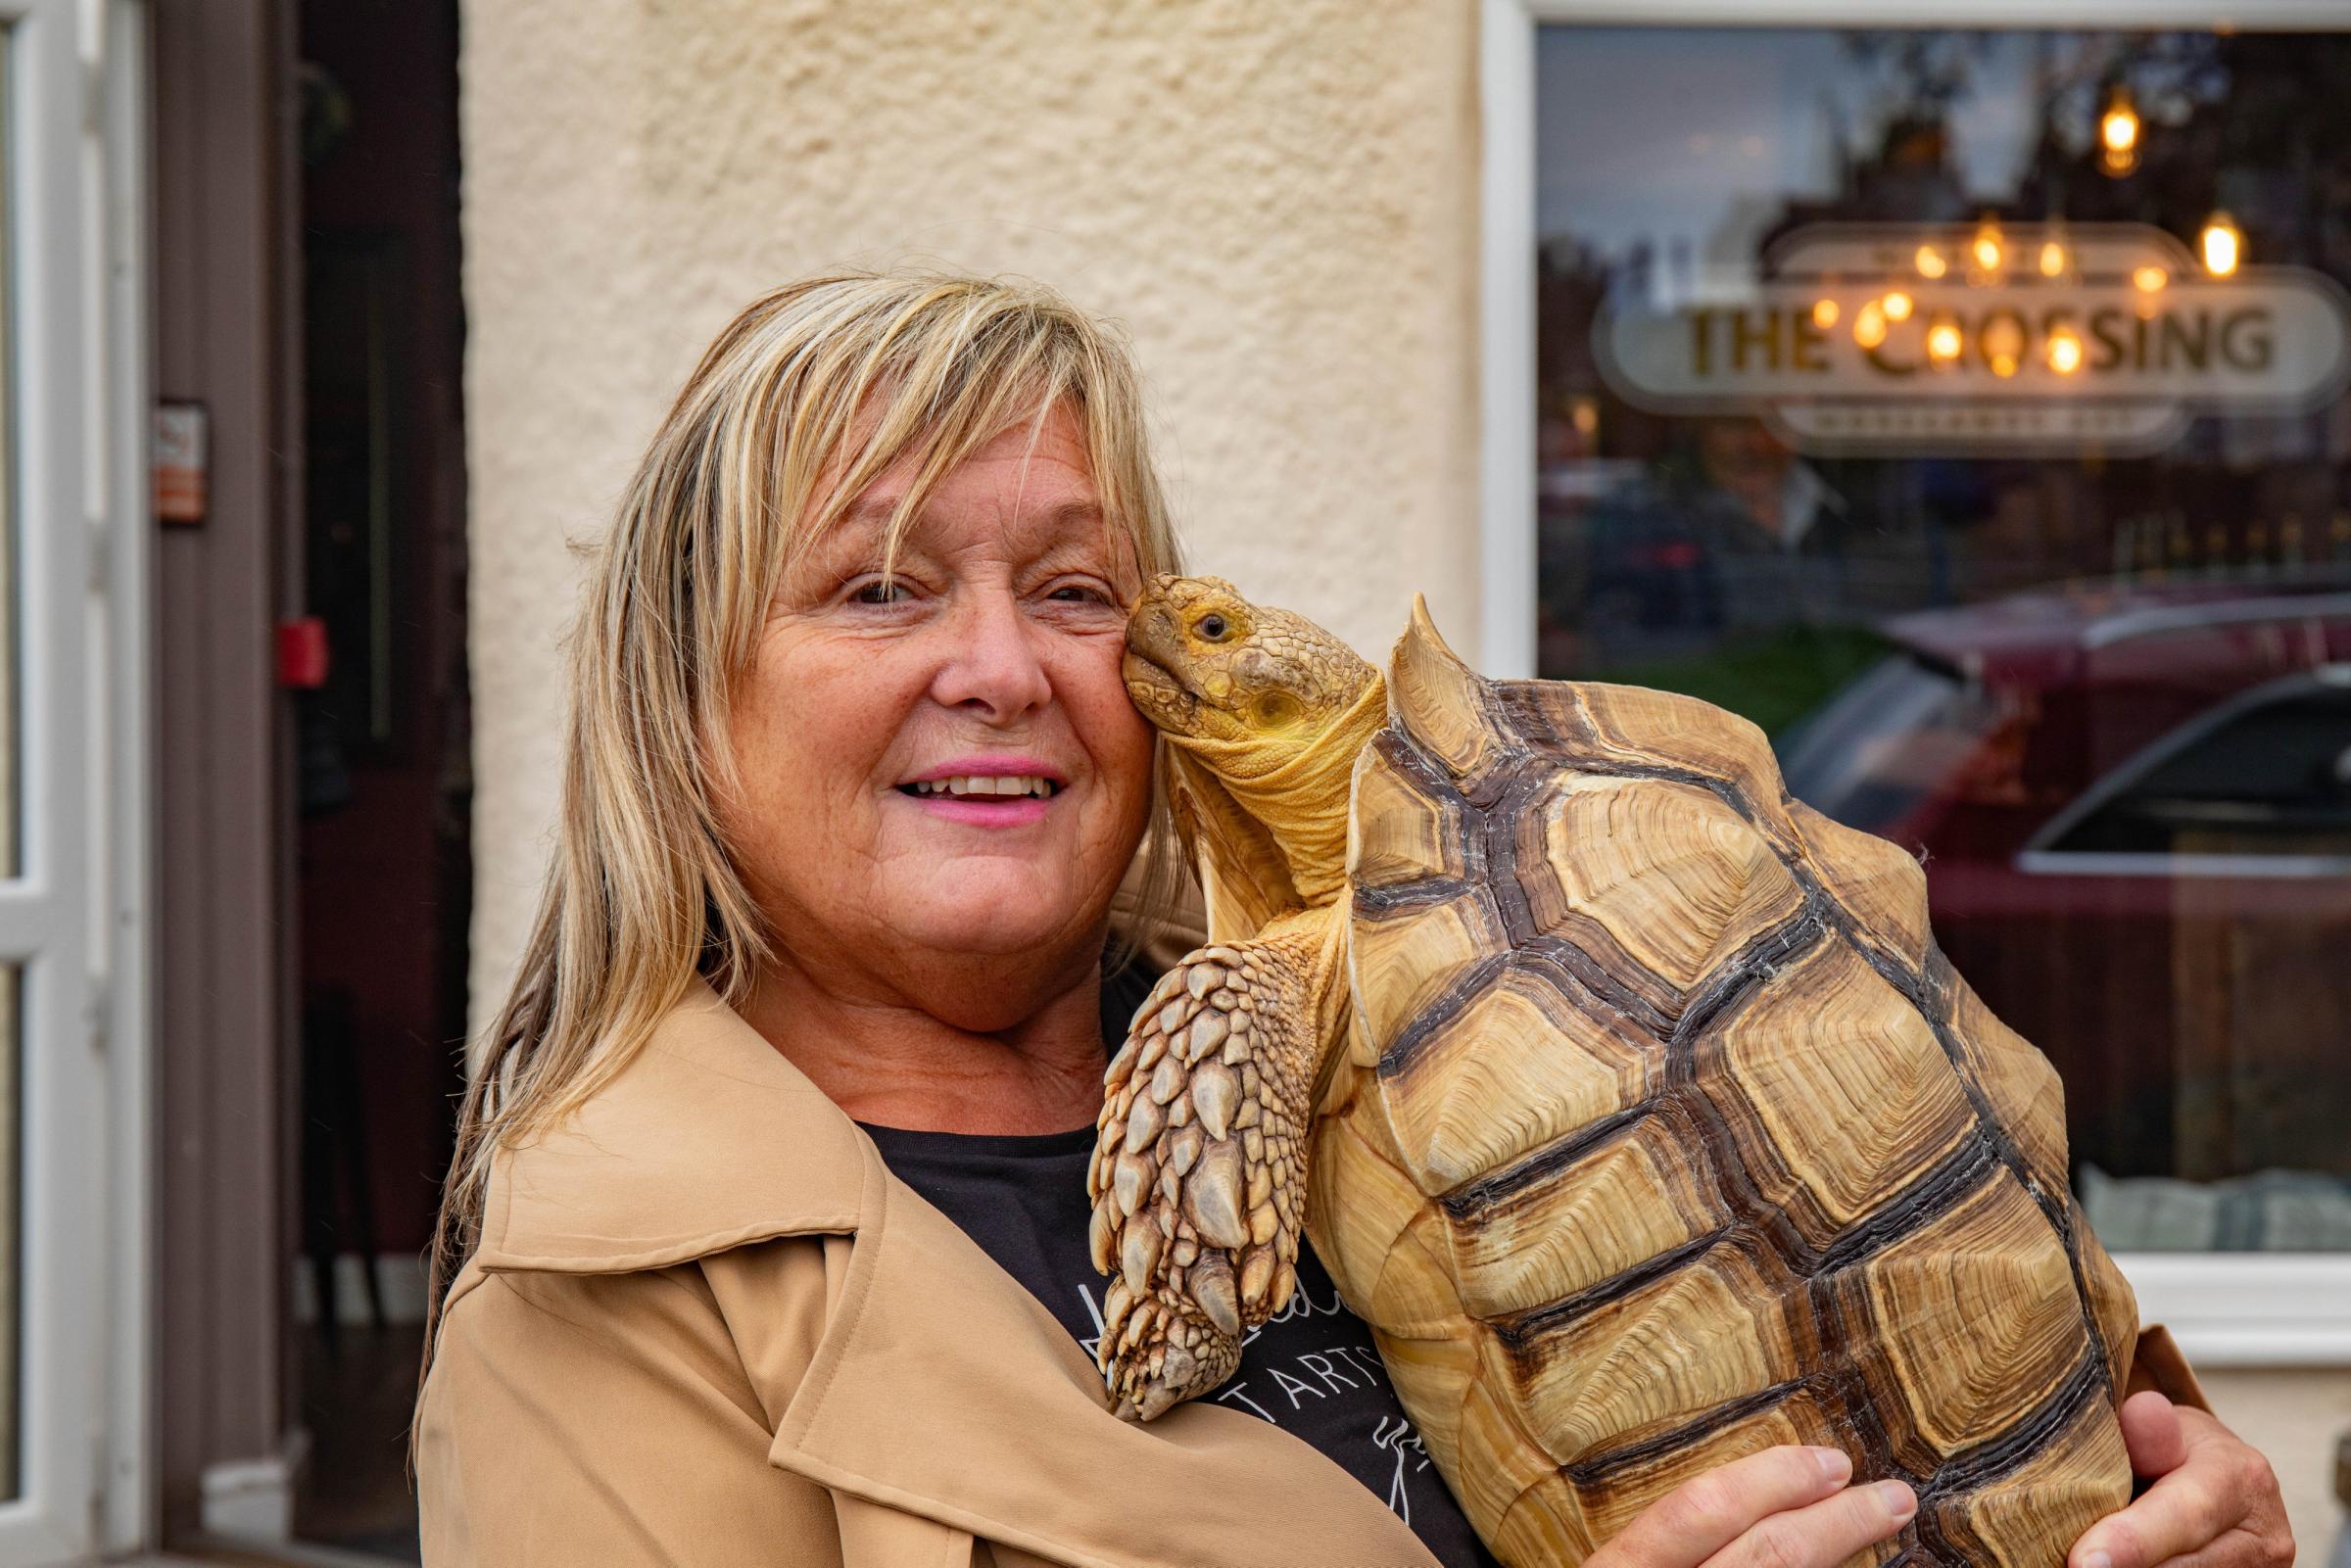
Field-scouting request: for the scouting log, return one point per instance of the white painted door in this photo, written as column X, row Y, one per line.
column 53, row 1144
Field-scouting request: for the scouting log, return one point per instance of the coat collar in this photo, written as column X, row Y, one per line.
column 936, row 1368
column 708, row 1139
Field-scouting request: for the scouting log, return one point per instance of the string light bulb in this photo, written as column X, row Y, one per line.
column 2003, row 340
column 2052, row 258
column 2117, row 133
column 1824, row 312
column 1897, row 306
column 1944, row 342
column 1869, row 324
column 2222, row 243
column 2149, row 279
column 1931, row 263
column 2065, row 351
column 1987, row 250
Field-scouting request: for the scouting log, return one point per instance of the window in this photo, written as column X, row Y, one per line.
column 1966, row 406
column 2261, row 786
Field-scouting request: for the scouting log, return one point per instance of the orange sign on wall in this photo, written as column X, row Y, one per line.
column 179, row 462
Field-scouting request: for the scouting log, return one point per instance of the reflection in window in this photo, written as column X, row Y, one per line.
column 1892, row 741
column 2273, row 1211
column 1880, row 403
column 2269, row 775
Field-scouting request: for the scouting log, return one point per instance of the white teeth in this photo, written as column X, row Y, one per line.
column 993, row 784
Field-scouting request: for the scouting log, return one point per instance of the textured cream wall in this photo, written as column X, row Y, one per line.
column 1279, row 199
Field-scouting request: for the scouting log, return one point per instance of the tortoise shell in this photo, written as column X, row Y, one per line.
column 1663, row 1133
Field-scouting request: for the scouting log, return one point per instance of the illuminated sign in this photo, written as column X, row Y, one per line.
column 1984, row 338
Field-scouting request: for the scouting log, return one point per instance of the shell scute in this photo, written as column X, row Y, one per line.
column 1835, row 1090
column 1964, row 1323
column 1402, row 829
column 1880, row 885
column 1444, row 705
column 2056, row 1495
column 2016, row 1080
column 1423, row 957
column 1542, row 1526
column 1434, row 1373
column 1710, row 1332
column 2112, row 1302
column 1648, row 875
column 1644, row 727
column 1637, row 1196
column 1355, row 1233
column 1499, row 1462
column 1610, row 1493
column 1516, row 1068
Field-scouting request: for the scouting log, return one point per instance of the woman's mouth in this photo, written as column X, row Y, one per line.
column 985, row 800
column 982, row 786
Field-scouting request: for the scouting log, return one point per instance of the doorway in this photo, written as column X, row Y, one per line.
column 381, row 794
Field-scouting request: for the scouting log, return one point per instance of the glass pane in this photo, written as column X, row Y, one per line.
column 10, row 803
column 12, row 1035
column 1967, row 408
column 2268, row 778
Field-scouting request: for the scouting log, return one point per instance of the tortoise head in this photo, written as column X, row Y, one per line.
column 1205, row 664
column 1265, row 712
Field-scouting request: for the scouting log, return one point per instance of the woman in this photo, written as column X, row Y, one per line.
column 851, row 782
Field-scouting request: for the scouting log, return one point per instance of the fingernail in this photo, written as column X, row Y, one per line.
column 1900, row 1501
column 2096, row 1559
column 1832, row 1463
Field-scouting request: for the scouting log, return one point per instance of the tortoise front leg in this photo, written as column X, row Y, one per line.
column 1199, row 1178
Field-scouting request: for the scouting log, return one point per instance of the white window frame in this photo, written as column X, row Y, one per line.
column 117, row 41
column 2226, row 1310
column 71, row 917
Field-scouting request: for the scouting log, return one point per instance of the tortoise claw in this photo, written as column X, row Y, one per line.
column 1179, row 1356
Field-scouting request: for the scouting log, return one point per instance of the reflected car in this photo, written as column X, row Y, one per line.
column 2134, row 808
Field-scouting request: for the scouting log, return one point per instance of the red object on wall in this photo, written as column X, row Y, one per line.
column 301, row 653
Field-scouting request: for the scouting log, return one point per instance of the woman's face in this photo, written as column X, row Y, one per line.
column 946, row 767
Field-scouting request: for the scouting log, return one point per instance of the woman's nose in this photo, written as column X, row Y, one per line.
column 995, row 667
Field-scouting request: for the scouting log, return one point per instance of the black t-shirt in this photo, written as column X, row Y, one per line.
column 1312, row 1370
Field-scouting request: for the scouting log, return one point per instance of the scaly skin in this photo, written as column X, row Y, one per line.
column 1199, row 1176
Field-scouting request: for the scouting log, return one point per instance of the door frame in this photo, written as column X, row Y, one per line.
column 123, row 353
column 72, row 915
column 2249, row 1310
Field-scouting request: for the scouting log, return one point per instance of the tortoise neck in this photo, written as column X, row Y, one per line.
column 1302, row 799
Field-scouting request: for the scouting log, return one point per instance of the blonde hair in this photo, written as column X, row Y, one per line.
column 802, row 400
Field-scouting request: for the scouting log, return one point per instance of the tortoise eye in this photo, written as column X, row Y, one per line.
column 1211, row 628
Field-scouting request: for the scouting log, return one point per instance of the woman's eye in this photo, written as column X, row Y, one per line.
column 1079, row 594
column 881, row 590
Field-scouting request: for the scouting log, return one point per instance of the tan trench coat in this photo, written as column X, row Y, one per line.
column 707, row 1327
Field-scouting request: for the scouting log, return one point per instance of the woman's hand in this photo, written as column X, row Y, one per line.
column 1786, row 1507
column 2215, row 1502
